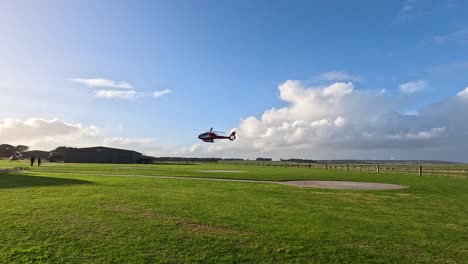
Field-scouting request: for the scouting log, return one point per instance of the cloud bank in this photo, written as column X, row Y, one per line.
column 339, row 121
column 45, row 134
column 336, row 121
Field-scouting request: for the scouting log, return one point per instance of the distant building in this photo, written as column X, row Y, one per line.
column 101, row 155
column 36, row 154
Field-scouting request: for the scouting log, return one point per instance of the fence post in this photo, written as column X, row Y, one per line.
column 378, row 168
column 420, row 172
column 326, row 166
column 347, row 167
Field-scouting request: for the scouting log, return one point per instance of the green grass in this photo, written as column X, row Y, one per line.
column 64, row 213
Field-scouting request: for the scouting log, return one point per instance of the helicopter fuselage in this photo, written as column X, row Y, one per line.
column 211, row 136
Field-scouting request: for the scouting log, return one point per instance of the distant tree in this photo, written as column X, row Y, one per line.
column 183, row 159
column 7, row 150
column 21, row 148
column 61, row 149
column 56, row 156
column 299, row 160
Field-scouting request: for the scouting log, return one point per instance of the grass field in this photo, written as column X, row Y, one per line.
column 87, row 213
column 450, row 170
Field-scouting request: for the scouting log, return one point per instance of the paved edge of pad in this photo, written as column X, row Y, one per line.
column 345, row 185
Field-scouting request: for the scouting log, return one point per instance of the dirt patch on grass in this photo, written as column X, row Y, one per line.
column 345, row 185
column 7, row 170
column 203, row 228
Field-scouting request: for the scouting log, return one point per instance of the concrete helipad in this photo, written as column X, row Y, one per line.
column 344, row 185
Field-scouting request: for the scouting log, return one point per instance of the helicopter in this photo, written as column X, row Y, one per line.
column 16, row 156
column 210, row 136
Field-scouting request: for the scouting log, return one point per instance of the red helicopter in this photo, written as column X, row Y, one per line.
column 211, row 135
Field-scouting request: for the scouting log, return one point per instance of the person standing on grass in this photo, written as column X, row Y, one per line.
column 39, row 161
column 32, row 161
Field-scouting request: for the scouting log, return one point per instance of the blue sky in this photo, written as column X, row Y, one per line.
column 222, row 62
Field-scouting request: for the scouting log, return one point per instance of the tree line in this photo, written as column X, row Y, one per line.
column 7, row 150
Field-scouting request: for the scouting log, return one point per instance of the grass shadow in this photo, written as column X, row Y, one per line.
column 18, row 180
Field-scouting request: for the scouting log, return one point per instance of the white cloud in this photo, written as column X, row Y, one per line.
column 119, row 94
column 463, row 93
column 338, row 76
column 106, row 88
column 101, row 82
column 109, row 89
column 337, row 121
column 161, row 93
column 338, row 89
column 413, row 87
column 46, row 134
column 459, row 37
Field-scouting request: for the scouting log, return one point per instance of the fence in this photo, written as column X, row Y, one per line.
column 459, row 171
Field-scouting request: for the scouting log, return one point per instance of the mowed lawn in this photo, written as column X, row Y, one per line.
column 86, row 213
